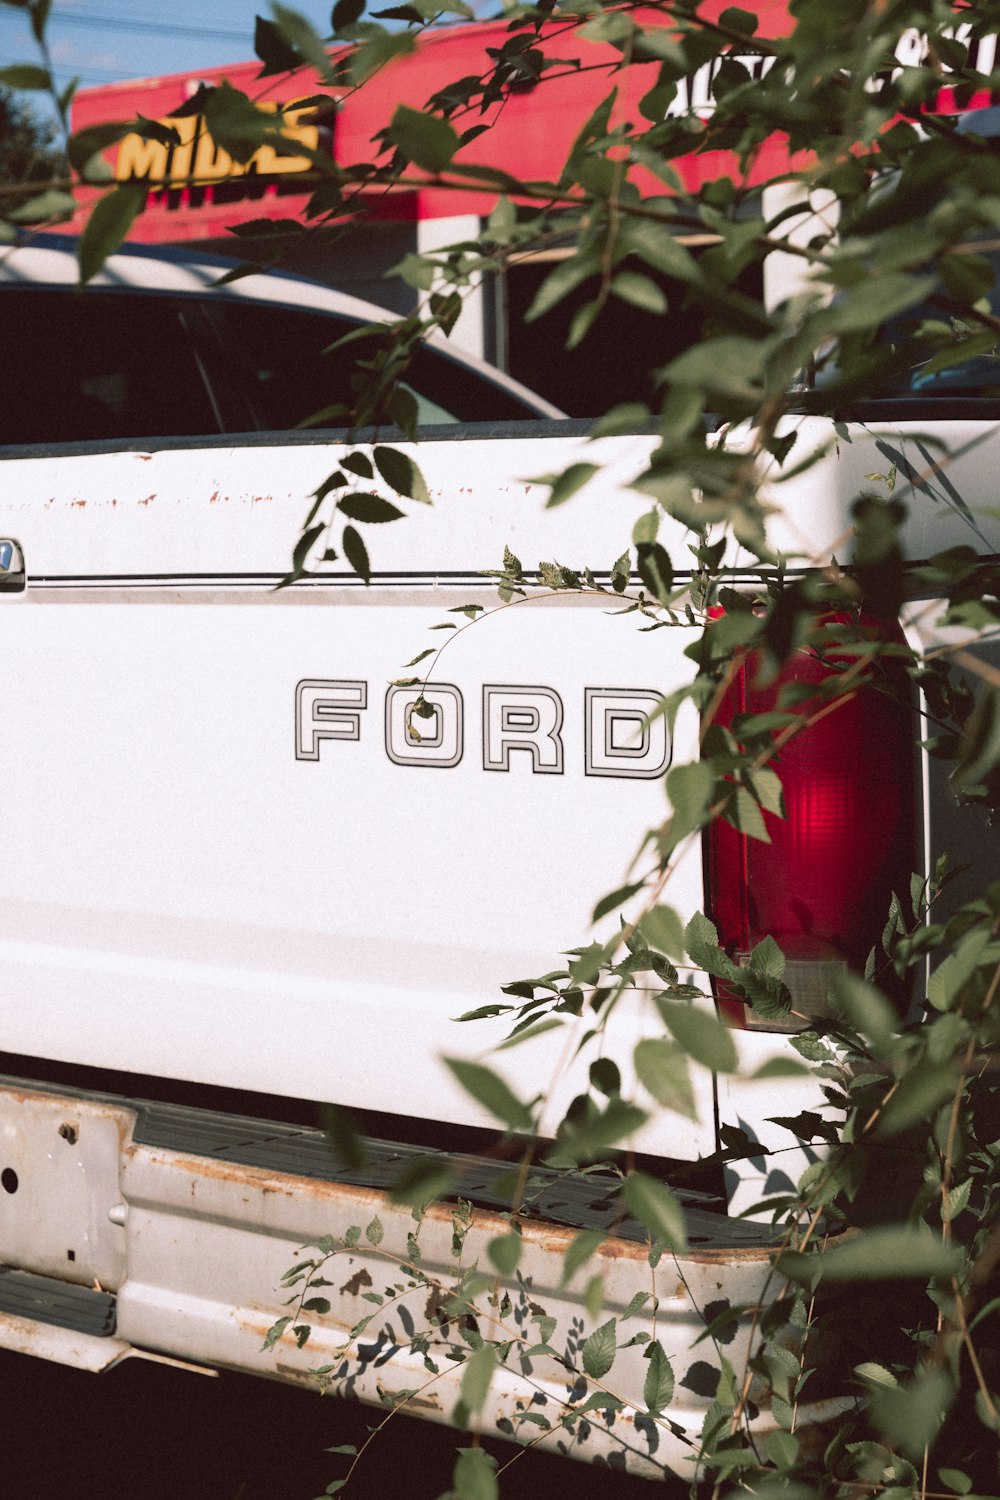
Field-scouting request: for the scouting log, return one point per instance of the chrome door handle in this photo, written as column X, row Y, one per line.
column 12, row 574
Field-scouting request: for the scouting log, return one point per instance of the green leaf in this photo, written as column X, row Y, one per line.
column 482, row 1012
column 343, row 1137
column 578, row 1252
column 25, row 76
column 967, row 278
column 910, row 1415
column 552, row 1023
column 659, row 248
column 586, row 967
column 956, row 1201
column 865, row 1007
column 109, row 223
column 369, row 509
column 51, row 206
column 582, row 321
column 273, row 50
column 621, row 572
column 766, row 787
column 655, row 1206
column 346, row 13
column 743, row 812
column 661, row 928
column 356, row 553
column 615, row 899
column 645, row 530
column 584, row 1139
column 426, row 140
column 593, row 1297
column 689, row 790
column 884, row 1253
column 368, row 57
column 236, row 123
column 477, row 1377
column 988, row 1414
column 566, row 484
column 505, row 1252
column 401, row 473
column 874, row 299
column 474, row 1476
column 374, row 1233
column 605, row 1076
column 875, row 1374
column 735, row 19
column 492, row 1092
column 636, row 1305
column 502, row 221
column 782, row 1449
column 640, row 291
column 600, row 1349
column 729, row 367
column 299, row 34
column 662, row 1068
column 951, row 976
column 303, row 547
column 955, row 1480
column 560, row 282
column 918, row 1094
column 422, row 1180
column 702, row 943
column 654, row 568
column 658, row 1387
column 84, row 145
column 767, row 959
column 702, row 1036
column 274, row 1334
column 980, row 751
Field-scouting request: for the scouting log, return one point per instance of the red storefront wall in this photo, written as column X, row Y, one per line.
column 531, row 135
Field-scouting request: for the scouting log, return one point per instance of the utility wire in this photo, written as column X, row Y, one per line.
column 160, row 28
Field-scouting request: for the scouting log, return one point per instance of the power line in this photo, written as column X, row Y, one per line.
column 159, row 28
column 63, row 72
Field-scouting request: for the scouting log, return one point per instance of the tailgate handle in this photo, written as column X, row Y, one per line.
column 12, row 575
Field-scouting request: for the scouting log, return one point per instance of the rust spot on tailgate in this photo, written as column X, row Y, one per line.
column 356, row 1199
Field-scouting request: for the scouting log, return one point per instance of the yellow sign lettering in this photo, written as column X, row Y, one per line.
column 198, row 160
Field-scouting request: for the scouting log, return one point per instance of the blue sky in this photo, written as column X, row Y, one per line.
column 106, row 41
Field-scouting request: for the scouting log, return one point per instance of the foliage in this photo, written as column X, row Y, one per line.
column 29, row 158
column 893, row 213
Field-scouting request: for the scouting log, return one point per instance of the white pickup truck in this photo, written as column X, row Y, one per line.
column 236, row 887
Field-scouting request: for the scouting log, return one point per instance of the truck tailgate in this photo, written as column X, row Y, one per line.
column 225, row 859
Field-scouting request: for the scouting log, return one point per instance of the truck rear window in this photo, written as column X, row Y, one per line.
column 79, row 368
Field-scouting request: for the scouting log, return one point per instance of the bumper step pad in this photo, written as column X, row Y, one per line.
column 43, row 1299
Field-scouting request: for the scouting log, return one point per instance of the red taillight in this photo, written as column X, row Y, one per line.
column 823, row 885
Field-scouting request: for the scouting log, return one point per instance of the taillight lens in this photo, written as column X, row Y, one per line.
column 823, row 885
